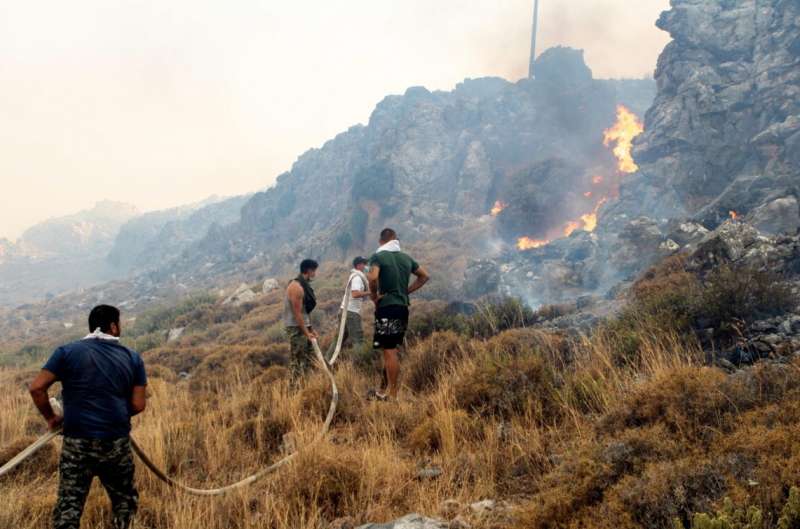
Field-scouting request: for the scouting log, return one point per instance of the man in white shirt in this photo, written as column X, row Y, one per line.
column 354, row 331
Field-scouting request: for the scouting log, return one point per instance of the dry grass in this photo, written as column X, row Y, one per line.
column 570, row 432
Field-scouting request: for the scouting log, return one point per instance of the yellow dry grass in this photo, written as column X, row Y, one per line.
column 558, row 428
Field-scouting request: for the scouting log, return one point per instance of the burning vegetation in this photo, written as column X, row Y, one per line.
column 498, row 208
column 526, row 243
column 621, row 135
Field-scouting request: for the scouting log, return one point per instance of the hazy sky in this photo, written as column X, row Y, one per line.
column 160, row 103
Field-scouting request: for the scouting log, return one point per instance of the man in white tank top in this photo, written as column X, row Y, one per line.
column 354, row 330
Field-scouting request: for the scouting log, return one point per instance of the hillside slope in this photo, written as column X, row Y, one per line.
column 432, row 164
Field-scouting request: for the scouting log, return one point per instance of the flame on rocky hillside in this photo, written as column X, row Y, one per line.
column 498, row 207
column 621, row 134
column 526, row 243
column 733, row 215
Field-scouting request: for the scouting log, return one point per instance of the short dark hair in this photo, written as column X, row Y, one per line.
column 359, row 260
column 308, row 264
column 388, row 234
column 102, row 316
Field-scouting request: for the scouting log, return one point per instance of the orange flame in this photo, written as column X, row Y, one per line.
column 589, row 221
column 499, row 206
column 733, row 215
column 526, row 243
column 571, row 226
column 622, row 133
column 597, row 179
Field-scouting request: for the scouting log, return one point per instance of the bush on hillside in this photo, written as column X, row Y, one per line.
column 671, row 299
column 164, row 318
column 430, row 357
column 507, row 386
column 482, row 320
column 742, row 294
column 318, row 481
column 729, row 517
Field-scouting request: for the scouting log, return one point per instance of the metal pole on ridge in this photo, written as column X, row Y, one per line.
column 533, row 37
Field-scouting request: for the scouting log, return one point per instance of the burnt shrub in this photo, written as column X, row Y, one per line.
column 482, row 320
column 263, row 435
column 743, row 294
column 427, row 436
column 506, row 386
column 689, row 402
column 431, row 356
column 322, row 481
column 671, row 490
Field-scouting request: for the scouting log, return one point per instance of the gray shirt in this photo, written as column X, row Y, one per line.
column 288, row 314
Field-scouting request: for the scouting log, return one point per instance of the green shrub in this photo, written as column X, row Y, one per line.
column 790, row 516
column 728, row 517
column 165, row 318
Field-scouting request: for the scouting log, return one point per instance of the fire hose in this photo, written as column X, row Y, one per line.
column 249, row 480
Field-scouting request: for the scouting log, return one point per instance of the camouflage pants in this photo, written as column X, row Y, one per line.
column 354, row 331
column 301, row 353
column 353, row 334
column 111, row 461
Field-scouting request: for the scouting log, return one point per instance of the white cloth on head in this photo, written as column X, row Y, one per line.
column 358, row 283
column 100, row 335
column 391, row 246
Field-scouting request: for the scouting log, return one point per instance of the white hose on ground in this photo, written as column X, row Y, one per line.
column 249, row 480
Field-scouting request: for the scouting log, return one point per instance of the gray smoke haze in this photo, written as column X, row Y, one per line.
column 162, row 103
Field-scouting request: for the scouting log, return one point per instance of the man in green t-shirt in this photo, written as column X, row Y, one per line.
column 389, row 273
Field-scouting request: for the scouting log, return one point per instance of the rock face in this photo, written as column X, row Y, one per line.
column 724, row 131
column 428, row 163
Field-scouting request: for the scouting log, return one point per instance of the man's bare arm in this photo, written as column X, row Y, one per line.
column 295, row 293
column 38, row 389
column 372, row 277
column 138, row 400
column 422, row 278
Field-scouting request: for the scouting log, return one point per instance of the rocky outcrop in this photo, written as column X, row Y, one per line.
column 431, row 164
column 724, row 130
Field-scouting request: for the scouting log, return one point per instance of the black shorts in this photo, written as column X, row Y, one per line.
column 390, row 326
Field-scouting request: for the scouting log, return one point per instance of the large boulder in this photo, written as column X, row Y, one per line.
column 781, row 215
column 733, row 243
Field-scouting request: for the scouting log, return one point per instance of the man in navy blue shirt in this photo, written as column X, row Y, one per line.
column 103, row 385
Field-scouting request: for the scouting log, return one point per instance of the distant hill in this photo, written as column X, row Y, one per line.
column 107, row 242
column 154, row 238
column 91, row 231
